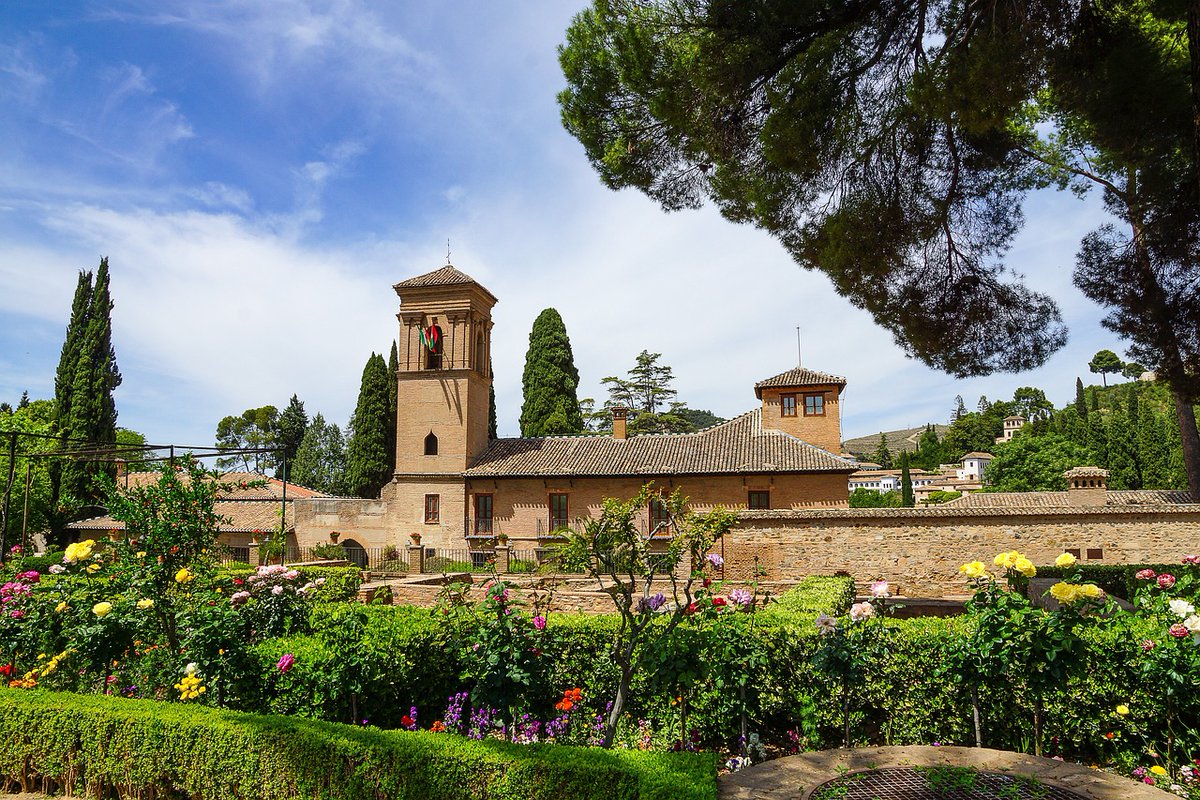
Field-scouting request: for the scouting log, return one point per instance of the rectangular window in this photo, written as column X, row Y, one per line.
column 432, row 507
column 1095, row 554
column 787, row 405
column 660, row 519
column 1075, row 552
column 814, row 405
column 559, row 511
column 483, row 514
column 759, row 500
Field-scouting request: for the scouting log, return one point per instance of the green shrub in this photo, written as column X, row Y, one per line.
column 1115, row 579
column 98, row 746
column 341, row 583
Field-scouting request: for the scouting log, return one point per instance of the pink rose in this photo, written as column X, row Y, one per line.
column 1193, row 560
column 539, row 622
column 1166, row 581
column 285, row 663
column 1178, row 630
column 1147, row 645
column 1144, row 574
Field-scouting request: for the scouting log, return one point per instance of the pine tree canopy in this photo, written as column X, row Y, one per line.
column 368, row 463
column 550, row 381
column 289, row 431
column 321, row 458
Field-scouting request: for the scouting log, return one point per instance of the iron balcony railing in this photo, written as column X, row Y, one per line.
column 475, row 529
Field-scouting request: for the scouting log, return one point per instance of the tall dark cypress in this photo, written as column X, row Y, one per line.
column 367, row 459
column 1080, row 401
column 906, row 484
column 491, row 403
column 550, row 381
column 393, row 367
column 64, row 380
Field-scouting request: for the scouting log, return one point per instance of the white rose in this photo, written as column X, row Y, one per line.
column 1181, row 608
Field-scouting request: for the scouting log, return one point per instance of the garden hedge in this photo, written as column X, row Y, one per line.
column 1116, row 579
column 99, row 745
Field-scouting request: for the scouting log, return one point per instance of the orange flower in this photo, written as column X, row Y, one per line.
column 438, row 726
column 569, row 699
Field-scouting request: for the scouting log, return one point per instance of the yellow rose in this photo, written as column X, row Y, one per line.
column 1024, row 566
column 101, row 609
column 973, row 569
column 93, row 568
column 141, row 554
column 145, row 603
column 1122, row 709
column 1065, row 560
column 1065, row 593
column 183, row 576
column 61, row 607
column 1091, row 591
column 1158, row 770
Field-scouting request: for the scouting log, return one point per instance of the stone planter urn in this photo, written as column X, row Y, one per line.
column 333, row 536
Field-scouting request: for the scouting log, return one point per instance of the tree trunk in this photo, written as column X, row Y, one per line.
column 618, row 707
column 1037, row 725
column 976, row 717
column 1189, row 439
column 846, row 714
column 1193, row 34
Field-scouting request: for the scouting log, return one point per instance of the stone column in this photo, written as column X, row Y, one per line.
column 252, row 548
column 503, row 558
column 416, row 559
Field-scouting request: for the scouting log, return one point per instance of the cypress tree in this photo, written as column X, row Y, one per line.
column 367, row 459
column 1080, row 403
column 393, row 367
column 550, row 380
column 289, row 432
column 91, row 410
column 906, row 487
column 491, row 403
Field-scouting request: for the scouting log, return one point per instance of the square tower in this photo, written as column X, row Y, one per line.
column 444, row 374
column 806, row 404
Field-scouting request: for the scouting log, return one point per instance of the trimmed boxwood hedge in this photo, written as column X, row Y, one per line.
column 99, row 745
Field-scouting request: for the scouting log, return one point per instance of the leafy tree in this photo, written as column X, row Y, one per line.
column 24, row 401
column 134, row 443
column 253, row 428
column 1132, row 370
column 550, row 381
column 930, row 451
column 977, row 431
column 926, row 124
column 869, row 498
column 35, row 418
column 1105, row 362
column 1031, row 404
column 960, row 408
column 290, row 428
column 1034, row 463
column 699, row 419
column 367, row 458
column 882, row 455
column 321, row 458
column 645, row 391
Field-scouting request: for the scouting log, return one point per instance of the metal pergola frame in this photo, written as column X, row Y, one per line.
column 111, row 452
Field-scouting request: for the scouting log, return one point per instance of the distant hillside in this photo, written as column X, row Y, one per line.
column 896, row 440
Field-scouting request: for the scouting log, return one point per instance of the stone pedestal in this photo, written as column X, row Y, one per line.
column 253, row 550
column 416, row 559
column 503, row 558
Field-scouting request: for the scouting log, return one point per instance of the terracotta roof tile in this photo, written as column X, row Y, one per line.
column 245, row 516
column 1038, row 500
column 740, row 445
column 272, row 488
column 1086, row 472
column 800, row 376
column 444, row 276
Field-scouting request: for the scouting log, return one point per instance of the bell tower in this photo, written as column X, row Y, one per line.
column 444, row 377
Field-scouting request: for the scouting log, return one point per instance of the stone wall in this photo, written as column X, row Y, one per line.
column 919, row 550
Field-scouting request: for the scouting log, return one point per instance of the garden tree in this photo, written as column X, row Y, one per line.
column 6, row 408
column 960, row 408
column 927, row 124
column 289, row 432
column 1124, row 461
column 35, row 417
column 24, row 401
column 614, row 548
column 1105, row 362
column 254, row 427
column 134, row 445
column 550, row 381
column 321, row 458
column 882, row 455
column 393, row 367
column 906, row 486
column 367, row 457
column 983, row 405
column 1080, row 404
column 869, row 498
column 1153, row 446
column 646, row 389
column 1034, row 463
column 977, row 431
column 699, row 419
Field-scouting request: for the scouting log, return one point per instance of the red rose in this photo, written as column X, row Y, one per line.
column 718, row 601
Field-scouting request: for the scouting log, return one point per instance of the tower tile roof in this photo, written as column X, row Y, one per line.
column 443, row 276
column 800, row 376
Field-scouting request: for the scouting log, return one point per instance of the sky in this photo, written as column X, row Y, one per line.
column 259, row 175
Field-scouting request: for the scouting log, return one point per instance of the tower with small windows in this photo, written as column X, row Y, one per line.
column 443, row 384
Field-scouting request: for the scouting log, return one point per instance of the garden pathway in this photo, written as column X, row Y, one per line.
column 796, row 777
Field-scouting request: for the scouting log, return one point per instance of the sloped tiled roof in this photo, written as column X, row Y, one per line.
column 1013, row 500
column 443, row 276
column 800, row 376
column 245, row 516
column 977, row 454
column 1086, row 472
column 241, row 485
column 740, row 445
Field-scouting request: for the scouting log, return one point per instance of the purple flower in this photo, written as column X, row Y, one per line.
column 539, row 622
column 741, row 597
column 285, row 662
column 714, row 559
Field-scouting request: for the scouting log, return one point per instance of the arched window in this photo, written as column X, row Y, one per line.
column 431, row 444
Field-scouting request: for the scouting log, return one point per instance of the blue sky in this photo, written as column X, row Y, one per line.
column 260, row 174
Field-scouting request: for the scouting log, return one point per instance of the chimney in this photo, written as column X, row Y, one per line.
column 121, row 468
column 619, row 430
column 1086, row 486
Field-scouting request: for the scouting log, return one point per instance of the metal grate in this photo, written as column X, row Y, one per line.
column 938, row 783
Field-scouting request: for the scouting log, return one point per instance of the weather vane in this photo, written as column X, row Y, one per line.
column 447, row 249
